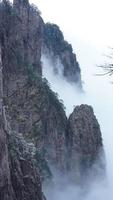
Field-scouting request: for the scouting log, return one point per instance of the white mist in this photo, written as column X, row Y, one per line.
column 98, row 93
column 87, row 25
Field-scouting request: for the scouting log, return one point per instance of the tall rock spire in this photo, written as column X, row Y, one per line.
column 6, row 192
column 85, row 146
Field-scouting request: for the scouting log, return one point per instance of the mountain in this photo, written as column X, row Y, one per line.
column 84, row 142
column 55, row 47
column 36, row 138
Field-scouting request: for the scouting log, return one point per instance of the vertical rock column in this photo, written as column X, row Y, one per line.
column 85, row 144
column 6, row 192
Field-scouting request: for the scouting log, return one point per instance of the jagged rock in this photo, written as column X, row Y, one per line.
column 19, row 178
column 33, row 109
column 24, row 172
column 36, row 112
column 6, row 192
column 21, row 32
column 57, row 49
column 84, row 142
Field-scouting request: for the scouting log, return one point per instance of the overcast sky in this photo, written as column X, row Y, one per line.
column 87, row 20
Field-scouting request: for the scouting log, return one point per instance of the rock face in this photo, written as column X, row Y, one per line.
column 60, row 50
column 24, row 174
column 5, row 179
column 84, row 142
column 21, row 29
column 32, row 107
column 19, row 177
column 36, row 113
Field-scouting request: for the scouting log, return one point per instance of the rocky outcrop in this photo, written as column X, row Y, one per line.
column 19, row 177
column 59, row 50
column 6, row 191
column 24, row 171
column 84, row 142
column 21, row 32
column 36, row 112
column 32, row 108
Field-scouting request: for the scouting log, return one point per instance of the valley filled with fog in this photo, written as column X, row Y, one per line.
column 91, row 36
column 98, row 93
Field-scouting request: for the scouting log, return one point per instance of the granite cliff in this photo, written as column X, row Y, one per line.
column 84, row 142
column 35, row 134
column 19, row 176
column 59, row 50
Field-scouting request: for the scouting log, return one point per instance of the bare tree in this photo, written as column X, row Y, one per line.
column 107, row 67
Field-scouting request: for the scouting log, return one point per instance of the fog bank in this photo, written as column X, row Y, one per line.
column 98, row 93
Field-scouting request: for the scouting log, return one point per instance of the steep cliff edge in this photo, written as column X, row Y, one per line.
column 59, row 50
column 35, row 112
column 19, row 177
column 6, row 191
column 84, row 141
column 21, row 32
column 32, row 107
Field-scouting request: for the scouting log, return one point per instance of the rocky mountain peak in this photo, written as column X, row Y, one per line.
column 58, row 49
column 84, row 141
